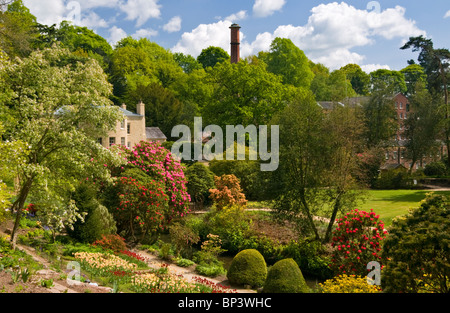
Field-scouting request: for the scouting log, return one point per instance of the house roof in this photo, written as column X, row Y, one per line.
column 129, row 113
column 329, row 105
column 154, row 133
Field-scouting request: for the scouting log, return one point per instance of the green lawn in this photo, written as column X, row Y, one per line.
column 387, row 203
column 391, row 203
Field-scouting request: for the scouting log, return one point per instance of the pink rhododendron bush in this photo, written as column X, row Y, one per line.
column 148, row 193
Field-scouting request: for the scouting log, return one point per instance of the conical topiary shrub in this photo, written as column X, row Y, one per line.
column 248, row 268
column 285, row 277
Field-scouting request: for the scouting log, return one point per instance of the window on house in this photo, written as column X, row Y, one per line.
column 401, row 116
column 112, row 141
column 122, row 124
column 396, row 105
column 129, row 145
column 401, row 105
column 405, row 116
column 100, row 141
column 122, row 141
column 395, row 156
column 387, row 155
column 129, row 128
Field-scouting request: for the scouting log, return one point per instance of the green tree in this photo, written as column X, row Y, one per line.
column 210, row 56
column 17, row 29
column 381, row 78
column 77, row 39
column 417, row 249
column 334, row 86
column 244, row 94
column 187, row 62
column 422, row 127
column 380, row 117
column 358, row 78
column 200, row 180
column 318, row 166
column 436, row 63
column 141, row 63
column 340, row 86
column 59, row 106
column 414, row 74
column 288, row 61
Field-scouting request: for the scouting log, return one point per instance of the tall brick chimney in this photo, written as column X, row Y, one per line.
column 235, row 43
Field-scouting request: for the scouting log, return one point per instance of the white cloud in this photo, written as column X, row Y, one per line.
column 53, row 12
column 369, row 68
column 174, row 25
column 447, row 14
column 92, row 21
column 144, row 33
column 90, row 4
column 78, row 12
column 203, row 36
column 141, row 10
column 116, row 34
column 237, row 16
column 333, row 30
column 263, row 8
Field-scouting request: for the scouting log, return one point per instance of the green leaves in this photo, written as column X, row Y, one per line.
column 58, row 108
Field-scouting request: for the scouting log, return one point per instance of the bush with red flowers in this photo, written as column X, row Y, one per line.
column 149, row 192
column 357, row 241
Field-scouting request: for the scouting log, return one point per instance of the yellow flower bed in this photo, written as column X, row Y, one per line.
column 161, row 283
column 348, row 284
column 104, row 261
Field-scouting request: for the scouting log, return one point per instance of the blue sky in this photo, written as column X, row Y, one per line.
column 334, row 33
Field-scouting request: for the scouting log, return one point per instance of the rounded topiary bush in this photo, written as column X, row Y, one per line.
column 248, row 268
column 285, row 277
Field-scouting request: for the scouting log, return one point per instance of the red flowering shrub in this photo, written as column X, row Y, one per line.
column 356, row 242
column 228, row 192
column 150, row 191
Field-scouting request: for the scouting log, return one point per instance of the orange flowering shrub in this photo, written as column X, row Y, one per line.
column 114, row 243
column 228, row 192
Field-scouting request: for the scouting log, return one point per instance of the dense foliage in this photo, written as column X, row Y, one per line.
column 248, row 268
column 285, row 277
column 418, row 249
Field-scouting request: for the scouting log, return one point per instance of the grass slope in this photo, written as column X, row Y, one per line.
column 391, row 203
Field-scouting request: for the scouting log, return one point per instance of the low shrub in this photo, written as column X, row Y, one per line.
column 211, row 270
column 183, row 238
column 435, row 169
column 248, row 268
column 285, row 277
column 311, row 258
column 184, row 262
